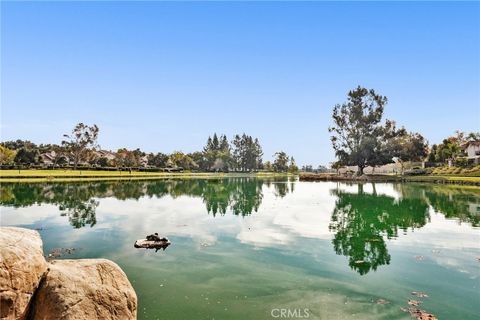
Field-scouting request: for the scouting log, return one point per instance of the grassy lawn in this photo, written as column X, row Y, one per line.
column 457, row 179
column 85, row 173
column 89, row 175
column 447, row 178
column 35, row 175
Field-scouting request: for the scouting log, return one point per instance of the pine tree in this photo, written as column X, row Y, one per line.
column 224, row 146
column 237, row 152
column 247, row 152
column 208, row 146
column 215, row 143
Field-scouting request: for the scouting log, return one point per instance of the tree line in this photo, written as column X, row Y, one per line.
column 80, row 149
column 361, row 138
column 359, row 135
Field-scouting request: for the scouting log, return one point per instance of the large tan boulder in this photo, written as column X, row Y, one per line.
column 22, row 265
column 85, row 289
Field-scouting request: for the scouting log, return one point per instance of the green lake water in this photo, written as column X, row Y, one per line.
column 246, row 248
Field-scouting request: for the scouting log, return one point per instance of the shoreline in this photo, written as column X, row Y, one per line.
column 86, row 175
column 30, row 176
column 458, row 180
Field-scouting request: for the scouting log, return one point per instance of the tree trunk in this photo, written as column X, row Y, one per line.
column 360, row 188
column 360, row 170
column 75, row 161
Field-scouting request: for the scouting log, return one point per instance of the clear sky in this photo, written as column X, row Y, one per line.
column 163, row 76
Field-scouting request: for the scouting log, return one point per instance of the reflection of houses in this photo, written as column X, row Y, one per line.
column 472, row 150
column 474, row 209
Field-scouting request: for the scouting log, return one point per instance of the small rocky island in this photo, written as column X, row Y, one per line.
column 32, row 288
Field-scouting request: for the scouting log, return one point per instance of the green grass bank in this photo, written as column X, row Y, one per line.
column 34, row 175
column 443, row 179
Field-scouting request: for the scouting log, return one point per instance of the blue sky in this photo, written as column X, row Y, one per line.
column 163, row 76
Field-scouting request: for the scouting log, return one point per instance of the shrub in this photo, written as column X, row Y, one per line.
column 415, row 172
column 462, row 162
column 429, row 170
column 456, row 171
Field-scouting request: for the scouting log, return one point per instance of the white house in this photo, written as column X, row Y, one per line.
column 54, row 158
column 144, row 161
column 472, row 150
column 105, row 154
column 48, row 158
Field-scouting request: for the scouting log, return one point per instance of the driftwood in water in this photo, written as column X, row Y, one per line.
column 148, row 244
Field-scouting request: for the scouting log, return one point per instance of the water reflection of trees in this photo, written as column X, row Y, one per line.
column 79, row 213
column 454, row 202
column 242, row 196
column 362, row 221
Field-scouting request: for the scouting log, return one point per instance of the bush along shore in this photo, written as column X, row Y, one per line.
column 474, row 181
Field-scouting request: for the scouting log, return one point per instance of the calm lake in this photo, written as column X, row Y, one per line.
column 245, row 248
